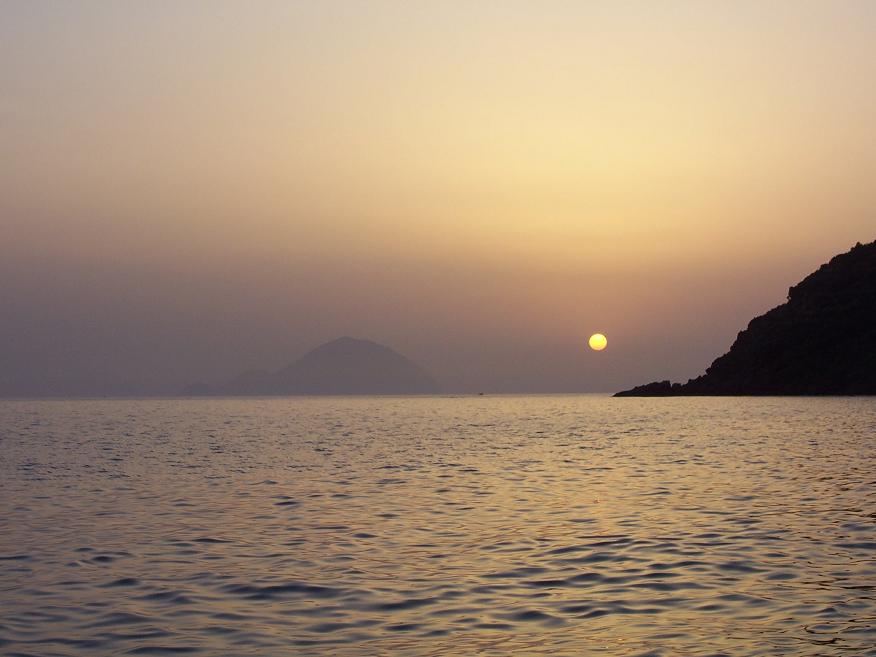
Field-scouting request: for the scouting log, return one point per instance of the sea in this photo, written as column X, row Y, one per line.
column 440, row 526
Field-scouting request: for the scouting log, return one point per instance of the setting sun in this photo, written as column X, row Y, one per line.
column 325, row 267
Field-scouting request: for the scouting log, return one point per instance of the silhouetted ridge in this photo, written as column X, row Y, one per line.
column 346, row 366
column 822, row 341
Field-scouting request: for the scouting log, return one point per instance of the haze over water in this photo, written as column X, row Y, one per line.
column 193, row 190
column 565, row 525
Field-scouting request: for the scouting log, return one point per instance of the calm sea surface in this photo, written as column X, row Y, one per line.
column 576, row 525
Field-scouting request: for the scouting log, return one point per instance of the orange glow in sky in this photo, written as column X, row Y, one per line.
column 473, row 183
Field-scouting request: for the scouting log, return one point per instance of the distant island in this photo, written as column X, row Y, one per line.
column 346, row 366
column 822, row 341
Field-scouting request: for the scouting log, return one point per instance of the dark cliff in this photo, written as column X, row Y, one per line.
column 822, row 341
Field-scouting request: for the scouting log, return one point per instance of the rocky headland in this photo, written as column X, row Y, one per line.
column 822, row 341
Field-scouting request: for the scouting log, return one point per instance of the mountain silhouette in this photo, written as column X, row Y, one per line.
column 822, row 341
column 346, row 366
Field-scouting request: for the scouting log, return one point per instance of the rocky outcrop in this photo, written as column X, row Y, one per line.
column 822, row 341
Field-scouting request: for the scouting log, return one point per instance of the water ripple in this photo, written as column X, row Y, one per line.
column 495, row 526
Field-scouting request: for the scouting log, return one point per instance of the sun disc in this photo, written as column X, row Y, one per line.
column 598, row 342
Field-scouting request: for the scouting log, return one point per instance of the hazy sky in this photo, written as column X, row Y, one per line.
column 191, row 189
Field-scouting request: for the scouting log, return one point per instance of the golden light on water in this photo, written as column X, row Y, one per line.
column 598, row 342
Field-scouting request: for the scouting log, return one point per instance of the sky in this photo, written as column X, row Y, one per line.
column 191, row 190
